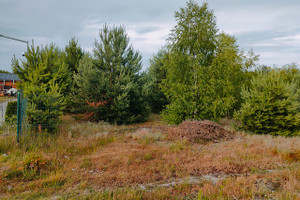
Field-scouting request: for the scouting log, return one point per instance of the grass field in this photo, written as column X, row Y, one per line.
column 100, row 161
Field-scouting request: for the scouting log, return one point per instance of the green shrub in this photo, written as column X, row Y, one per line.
column 11, row 111
column 28, row 170
column 32, row 166
column 44, row 108
column 271, row 106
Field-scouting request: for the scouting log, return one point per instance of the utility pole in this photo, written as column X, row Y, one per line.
column 11, row 38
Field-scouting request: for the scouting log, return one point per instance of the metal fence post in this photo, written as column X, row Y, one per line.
column 19, row 116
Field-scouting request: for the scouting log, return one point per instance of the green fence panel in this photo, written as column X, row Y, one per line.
column 21, row 113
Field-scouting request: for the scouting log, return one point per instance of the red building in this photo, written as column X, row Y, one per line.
column 8, row 81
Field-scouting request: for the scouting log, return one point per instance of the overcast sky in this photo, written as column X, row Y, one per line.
column 270, row 27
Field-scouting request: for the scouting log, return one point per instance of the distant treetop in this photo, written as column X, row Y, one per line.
column 3, row 71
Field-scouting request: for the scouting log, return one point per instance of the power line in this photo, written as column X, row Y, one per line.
column 11, row 38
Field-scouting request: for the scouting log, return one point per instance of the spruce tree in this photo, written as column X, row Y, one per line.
column 271, row 105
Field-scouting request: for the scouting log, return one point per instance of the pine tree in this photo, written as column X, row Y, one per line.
column 49, row 62
column 73, row 55
column 109, row 84
column 45, row 80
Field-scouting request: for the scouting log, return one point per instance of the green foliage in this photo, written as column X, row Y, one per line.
column 204, row 70
column 271, row 105
column 4, row 71
column 225, row 76
column 192, row 45
column 46, row 81
column 73, row 55
column 290, row 73
column 44, row 107
column 43, row 65
column 32, row 166
column 11, row 111
column 153, row 79
column 108, row 86
column 55, row 183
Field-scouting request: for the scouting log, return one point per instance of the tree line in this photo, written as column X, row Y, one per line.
column 200, row 73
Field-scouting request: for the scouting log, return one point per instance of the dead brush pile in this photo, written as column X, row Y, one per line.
column 200, row 131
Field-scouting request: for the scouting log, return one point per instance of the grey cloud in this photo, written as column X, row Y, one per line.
column 149, row 29
column 57, row 21
column 148, row 22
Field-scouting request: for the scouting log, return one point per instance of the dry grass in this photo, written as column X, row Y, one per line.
column 101, row 161
column 7, row 98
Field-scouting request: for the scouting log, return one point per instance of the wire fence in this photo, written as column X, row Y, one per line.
column 8, row 115
column 18, row 117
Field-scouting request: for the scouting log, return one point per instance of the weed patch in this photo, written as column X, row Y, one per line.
column 29, row 169
column 178, row 146
column 54, row 181
column 148, row 156
column 86, row 163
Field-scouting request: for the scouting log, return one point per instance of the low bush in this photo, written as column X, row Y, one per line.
column 11, row 111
